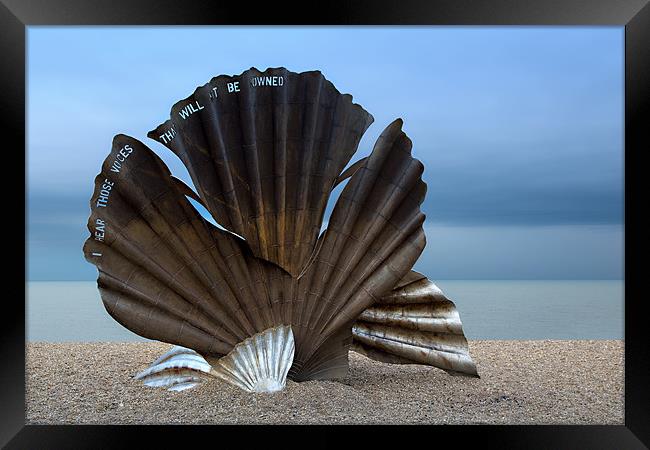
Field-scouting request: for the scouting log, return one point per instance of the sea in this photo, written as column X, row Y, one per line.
column 489, row 309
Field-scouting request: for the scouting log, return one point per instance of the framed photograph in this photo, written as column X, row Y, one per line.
column 419, row 214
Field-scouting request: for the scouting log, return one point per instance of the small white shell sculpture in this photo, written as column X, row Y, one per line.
column 179, row 369
column 259, row 363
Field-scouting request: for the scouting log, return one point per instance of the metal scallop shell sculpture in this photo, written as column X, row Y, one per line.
column 264, row 151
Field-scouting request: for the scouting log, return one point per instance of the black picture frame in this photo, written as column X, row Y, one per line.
column 16, row 15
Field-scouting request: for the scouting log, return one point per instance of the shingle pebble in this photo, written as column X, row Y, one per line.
column 522, row 382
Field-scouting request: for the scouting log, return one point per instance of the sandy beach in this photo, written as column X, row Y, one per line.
column 522, row 382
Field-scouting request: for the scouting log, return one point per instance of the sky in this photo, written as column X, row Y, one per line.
column 520, row 130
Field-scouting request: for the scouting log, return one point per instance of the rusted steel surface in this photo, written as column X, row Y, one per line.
column 414, row 324
column 373, row 238
column 264, row 164
column 265, row 156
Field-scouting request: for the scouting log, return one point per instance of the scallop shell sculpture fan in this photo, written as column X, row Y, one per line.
column 266, row 295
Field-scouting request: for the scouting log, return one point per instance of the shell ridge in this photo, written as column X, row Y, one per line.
column 123, row 196
column 249, row 297
column 180, row 148
column 253, row 271
column 170, row 376
column 329, row 359
column 306, row 164
column 248, row 129
column 239, row 369
column 172, row 287
column 330, row 314
column 182, row 386
column 350, row 171
column 175, row 350
column 212, row 309
column 326, row 366
column 268, row 359
column 300, row 302
column 197, row 269
column 314, row 254
column 375, row 235
column 168, row 380
column 301, row 189
column 240, row 270
column 445, row 342
column 260, row 355
column 351, row 215
column 367, row 187
column 325, row 362
column 131, row 291
column 229, row 170
column 220, row 282
column 382, row 335
column 267, row 301
column 272, row 305
column 444, row 346
column 279, row 342
column 252, row 353
column 271, row 362
column 249, row 364
column 177, row 364
column 155, row 232
column 344, row 123
column 113, row 307
column 247, row 375
column 387, row 244
column 237, row 374
column 180, row 365
column 418, row 319
column 235, row 369
column 323, row 200
column 229, row 374
column 241, row 209
column 225, row 178
column 288, row 346
column 280, row 166
column 247, row 352
column 336, row 236
column 258, row 350
column 279, row 293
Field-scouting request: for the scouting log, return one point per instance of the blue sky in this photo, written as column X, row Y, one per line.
column 520, row 130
